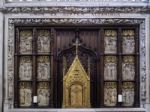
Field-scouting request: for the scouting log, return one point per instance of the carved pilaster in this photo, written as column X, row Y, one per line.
column 10, row 64
column 142, row 63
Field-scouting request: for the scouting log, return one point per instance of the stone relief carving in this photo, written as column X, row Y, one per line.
column 110, row 68
column 128, row 68
column 43, row 94
column 43, row 41
column 97, row 21
column 25, row 68
column 25, row 94
column 128, row 94
column 76, row 10
column 43, row 68
column 110, row 41
column 110, row 94
column 128, row 41
column 25, row 42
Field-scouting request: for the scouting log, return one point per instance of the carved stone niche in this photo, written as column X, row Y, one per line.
column 73, row 21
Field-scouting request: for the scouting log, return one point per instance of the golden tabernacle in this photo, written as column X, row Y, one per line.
column 76, row 87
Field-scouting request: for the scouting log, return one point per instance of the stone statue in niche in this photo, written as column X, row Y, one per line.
column 43, row 41
column 128, row 68
column 25, row 94
column 128, row 94
column 110, row 94
column 128, row 41
column 110, row 68
column 110, row 41
column 25, row 68
column 43, row 68
column 25, row 42
column 43, row 94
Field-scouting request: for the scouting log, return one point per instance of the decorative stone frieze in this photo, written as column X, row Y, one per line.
column 73, row 21
column 76, row 10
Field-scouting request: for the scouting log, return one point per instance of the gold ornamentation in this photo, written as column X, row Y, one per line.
column 76, row 87
column 25, row 34
column 43, row 59
column 128, row 59
column 43, row 33
column 110, row 59
column 89, row 65
column 128, row 33
column 110, row 33
column 64, row 65
column 43, row 85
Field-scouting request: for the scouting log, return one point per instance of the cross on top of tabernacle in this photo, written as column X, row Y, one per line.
column 77, row 44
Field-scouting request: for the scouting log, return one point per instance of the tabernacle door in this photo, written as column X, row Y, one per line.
column 76, row 87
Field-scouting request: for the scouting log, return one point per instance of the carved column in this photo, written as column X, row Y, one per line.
column 1, row 59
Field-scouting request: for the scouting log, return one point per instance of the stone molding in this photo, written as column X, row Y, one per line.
column 73, row 21
column 49, row 21
column 76, row 10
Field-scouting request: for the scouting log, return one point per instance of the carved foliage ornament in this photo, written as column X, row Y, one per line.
column 76, row 10
column 68, row 21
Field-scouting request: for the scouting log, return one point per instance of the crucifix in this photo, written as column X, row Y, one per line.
column 77, row 44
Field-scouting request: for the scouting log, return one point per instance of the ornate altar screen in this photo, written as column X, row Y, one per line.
column 109, row 57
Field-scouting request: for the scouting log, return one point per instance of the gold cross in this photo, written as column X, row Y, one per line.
column 77, row 44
